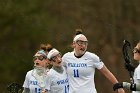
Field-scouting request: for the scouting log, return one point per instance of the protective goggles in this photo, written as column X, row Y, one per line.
column 136, row 50
column 56, row 57
column 80, row 42
column 39, row 58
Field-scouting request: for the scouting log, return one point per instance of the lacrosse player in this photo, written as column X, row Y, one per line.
column 57, row 81
column 35, row 78
column 135, row 86
column 80, row 66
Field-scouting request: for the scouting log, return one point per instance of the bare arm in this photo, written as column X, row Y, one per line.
column 110, row 77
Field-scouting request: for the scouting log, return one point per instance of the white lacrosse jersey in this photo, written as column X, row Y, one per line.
column 31, row 83
column 81, row 71
column 57, row 82
column 137, row 77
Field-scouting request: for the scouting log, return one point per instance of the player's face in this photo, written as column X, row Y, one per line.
column 136, row 52
column 56, row 60
column 80, row 47
column 40, row 60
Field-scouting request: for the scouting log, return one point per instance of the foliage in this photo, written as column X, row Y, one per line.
column 25, row 24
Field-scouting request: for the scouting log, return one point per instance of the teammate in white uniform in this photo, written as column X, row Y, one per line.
column 31, row 83
column 80, row 66
column 57, row 81
column 136, row 86
column 137, row 77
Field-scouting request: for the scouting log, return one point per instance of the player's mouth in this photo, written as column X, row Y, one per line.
column 59, row 62
column 82, row 49
column 36, row 64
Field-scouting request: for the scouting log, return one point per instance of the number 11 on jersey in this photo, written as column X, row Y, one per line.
column 76, row 73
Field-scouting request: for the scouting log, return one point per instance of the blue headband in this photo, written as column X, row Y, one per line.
column 42, row 52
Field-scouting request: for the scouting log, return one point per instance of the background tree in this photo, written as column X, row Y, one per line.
column 25, row 24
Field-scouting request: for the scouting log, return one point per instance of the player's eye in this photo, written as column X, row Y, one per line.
column 38, row 57
column 79, row 42
column 136, row 50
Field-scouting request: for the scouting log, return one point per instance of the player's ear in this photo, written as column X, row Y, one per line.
column 73, row 44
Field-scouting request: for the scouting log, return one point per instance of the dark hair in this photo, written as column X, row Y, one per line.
column 78, row 31
column 46, row 47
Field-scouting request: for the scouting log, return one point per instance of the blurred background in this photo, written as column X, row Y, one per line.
column 25, row 24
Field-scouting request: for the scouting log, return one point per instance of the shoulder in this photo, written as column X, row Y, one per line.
column 29, row 73
column 138, row 68
column 68, row 54
column 91, row 55
column 51, row 72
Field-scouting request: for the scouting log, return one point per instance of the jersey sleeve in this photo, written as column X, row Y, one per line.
column 64, row 61
column 97, row 62
column 138, row 73
column 26, row 82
